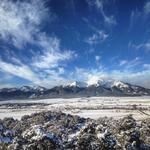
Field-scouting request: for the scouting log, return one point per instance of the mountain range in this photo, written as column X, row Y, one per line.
column 75, row 89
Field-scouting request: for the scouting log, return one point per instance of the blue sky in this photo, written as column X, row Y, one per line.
column 53, row 42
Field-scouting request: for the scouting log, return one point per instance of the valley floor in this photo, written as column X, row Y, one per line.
column 91, row 107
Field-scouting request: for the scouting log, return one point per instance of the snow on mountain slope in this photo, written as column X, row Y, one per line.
column 39, row 88
column 120, row 84
column 25, row 88
column 31, row 88
column 94, row 87
column 94, row 81
column 77, row 84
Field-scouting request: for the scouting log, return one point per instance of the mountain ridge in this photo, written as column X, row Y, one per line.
column 75, row 89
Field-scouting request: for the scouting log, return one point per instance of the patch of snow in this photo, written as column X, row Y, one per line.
column 120, row 84
column 38, row 88
column 25, row 88
column 94, row 81
column 37, row 132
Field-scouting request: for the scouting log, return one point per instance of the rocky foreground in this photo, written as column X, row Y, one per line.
column 59, row 131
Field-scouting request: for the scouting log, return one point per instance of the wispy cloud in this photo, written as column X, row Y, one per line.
column 20, row 25
column 130, row 64
column 147, row 66
column 97, row 59
column 147, row 7
column 135, row 15
column 20, row 20
column 51, row 55
column 46, row 77
column 142, row 46
column 130, row 76
column 141, row 15
column 123, row 62
column 21, row 71
column 96, row 38
column 99, row 4
column 50, row 60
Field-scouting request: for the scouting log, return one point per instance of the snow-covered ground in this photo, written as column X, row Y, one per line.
column 92, row 107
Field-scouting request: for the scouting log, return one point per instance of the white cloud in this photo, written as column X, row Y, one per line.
column 147, row 45
column 48, row 43
column 20, row 20
column 61, row 70
column 123, row 62
column 141, row 78
column 93, row 80
column 147, row 66
column 47, row 78
column 20, row 24
column 52, row 78
column 142, row 46
column 4, row 78
column 127, row 74
column 135, row 15
column 97, row 59
column 81, row 74
column 140, row 15
column 51, row 60
column 130, row 64
column 99, row 4
column 96, row 38
column 51, row 55
column 22, row 71
column 147, row 7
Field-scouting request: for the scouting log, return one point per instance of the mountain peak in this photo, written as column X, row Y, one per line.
column 39, row 88
column 97, row 88
column 77, row 84
column 25, row 88
column 95, row 81
column 100, row 82
column 32, row 88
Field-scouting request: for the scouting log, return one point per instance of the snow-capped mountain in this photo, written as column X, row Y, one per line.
column 101, row 82
column 39, row 88
column 77, row 84
column 75, row 89
column 107, row 83
column 21, row 92
column 94, row 82
column 32, row 88
column 25, row 88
